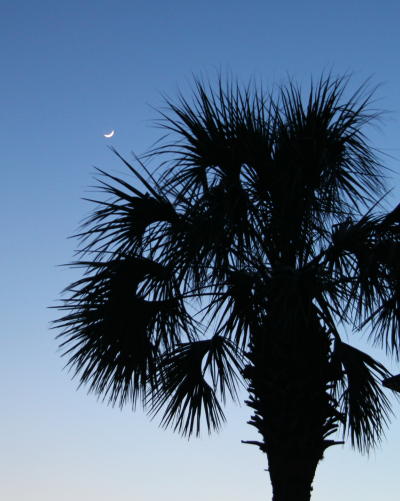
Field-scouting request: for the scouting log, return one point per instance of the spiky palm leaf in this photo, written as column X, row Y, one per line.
column 183, row 392
column 362, row 400
column 115, row 334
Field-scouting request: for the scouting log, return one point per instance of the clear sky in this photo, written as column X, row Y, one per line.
column 71, row 71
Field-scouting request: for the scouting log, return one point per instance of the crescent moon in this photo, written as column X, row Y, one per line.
column 110, row 134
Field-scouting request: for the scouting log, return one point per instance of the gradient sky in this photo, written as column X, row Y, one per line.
column 72, row 71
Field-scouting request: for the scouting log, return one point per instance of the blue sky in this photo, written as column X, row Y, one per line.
column 72, row 71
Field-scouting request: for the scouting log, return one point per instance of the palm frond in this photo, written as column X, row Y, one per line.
column 362, row 400
column 119, row 224
column 182, row 391
column 238, row 306
column 221, row 130
column 112, row 334
column 323, row 168
column 365, row 255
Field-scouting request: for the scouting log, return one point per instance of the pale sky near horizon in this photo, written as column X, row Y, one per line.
column 73, row 71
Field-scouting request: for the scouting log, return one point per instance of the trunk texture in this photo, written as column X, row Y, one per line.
column 289, row 375
column 292, row 473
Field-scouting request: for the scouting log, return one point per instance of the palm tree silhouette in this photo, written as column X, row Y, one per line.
column 235, row 263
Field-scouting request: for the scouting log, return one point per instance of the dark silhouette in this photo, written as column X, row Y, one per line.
column 235, row 262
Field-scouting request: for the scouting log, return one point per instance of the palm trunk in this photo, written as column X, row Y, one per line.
column 292, row 472
column 293, row 442
column 289, row 377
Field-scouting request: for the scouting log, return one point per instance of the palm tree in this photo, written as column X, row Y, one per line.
column 235, row 263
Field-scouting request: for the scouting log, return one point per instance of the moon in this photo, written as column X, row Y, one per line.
column 110, row 134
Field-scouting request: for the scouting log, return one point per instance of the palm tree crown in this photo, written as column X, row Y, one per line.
column 235, row 263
